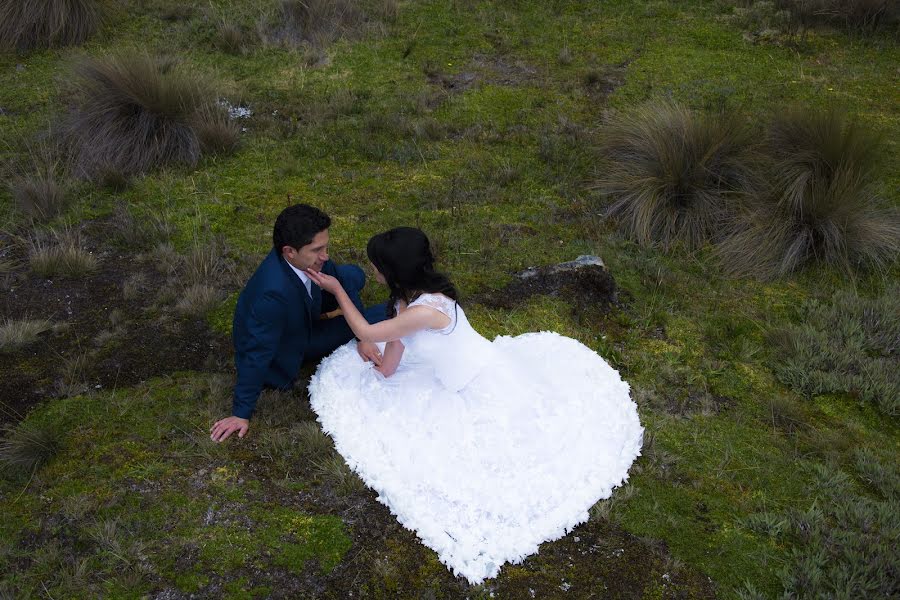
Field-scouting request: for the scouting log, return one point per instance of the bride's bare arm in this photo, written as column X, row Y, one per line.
column 406, row 323
column 393, row 352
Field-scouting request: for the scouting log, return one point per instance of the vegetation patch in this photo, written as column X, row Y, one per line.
column 46, row 23
column 135, row 113
column 822, row 207
column 845, row 345
column 674, row 176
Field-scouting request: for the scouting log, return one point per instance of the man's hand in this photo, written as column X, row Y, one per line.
column 369, row 351
column 223, row 428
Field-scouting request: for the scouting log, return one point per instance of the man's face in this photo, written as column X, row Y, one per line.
column 311, row 256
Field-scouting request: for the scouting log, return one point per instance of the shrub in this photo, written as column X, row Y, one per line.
column 822, row 206
column 672, row 175
column 44, row 23
column 841, row 546
column 28, row 447
column 61, row 254
column 16, row 333
column 850, row 345
column 134, row 113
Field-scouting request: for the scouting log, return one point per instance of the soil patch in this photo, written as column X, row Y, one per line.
column 107, row 340
column 590, row 289
column 483, row 69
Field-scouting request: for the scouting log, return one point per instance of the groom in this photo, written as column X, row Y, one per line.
column 282, row 318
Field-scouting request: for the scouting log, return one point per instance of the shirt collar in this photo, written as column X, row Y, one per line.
column 303, row 276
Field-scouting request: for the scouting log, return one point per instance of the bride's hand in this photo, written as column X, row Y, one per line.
column 326, row 282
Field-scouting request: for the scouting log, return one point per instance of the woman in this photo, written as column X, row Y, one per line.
column 485, row 449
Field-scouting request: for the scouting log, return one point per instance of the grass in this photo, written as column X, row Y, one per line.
column 46, row 23
column 845, row 345
column 823, row 206
column 26, row 448
column 496, row 174
column 61, row 254
column 17, row 333
column 673, row 176
column 39, row 197
column 135, row 113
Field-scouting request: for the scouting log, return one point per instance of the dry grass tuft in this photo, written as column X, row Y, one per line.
column 28, row 24
column 673, row 176
column 822, row 207
column 197, row 300
column 313, row 23
column 40, row 197
column 15, row 333
column 26, row 448
column 62, row 254
column 135, row 113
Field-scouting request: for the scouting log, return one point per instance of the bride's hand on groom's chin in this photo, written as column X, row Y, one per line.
column 223, row 428
column 326, row 282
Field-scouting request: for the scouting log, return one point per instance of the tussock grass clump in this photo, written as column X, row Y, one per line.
column 314, row 444
column 62, row 254
column 822, row 206
column 232, row 39
column 26, row 448
column 197, row 300
column 673, row 176
column 335, row 470
column 15, row 333
column 28, row 24
column 849, row 345
column 40, row 196
column 135, row 113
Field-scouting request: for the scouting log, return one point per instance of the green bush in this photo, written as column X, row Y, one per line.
column 844, row 544
column 849, row 345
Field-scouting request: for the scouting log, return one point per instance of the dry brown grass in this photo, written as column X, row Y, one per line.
column 28, row 24
column 673, row 176
column 822, row 206
column 135, row 113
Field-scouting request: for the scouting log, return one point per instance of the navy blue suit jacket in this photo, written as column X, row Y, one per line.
column 275, row 321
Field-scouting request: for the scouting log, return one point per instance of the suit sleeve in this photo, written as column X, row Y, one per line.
column 264, row 329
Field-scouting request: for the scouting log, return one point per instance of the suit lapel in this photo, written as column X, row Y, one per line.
column 295, row 281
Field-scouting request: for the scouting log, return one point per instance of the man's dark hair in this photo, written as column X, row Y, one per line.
column 297, row 225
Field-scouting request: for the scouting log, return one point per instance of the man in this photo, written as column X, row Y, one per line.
column 282, row 318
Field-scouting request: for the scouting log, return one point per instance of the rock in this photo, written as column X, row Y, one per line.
column 573, row 265
column 585, row 283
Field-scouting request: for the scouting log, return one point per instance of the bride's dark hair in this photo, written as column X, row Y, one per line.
column 403, row 255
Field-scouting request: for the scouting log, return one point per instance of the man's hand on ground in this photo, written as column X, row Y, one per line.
column 369, row 351
column 223, row 428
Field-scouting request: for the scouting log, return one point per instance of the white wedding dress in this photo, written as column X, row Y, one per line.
column 484, row 449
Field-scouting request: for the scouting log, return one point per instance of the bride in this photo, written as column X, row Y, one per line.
column 484, row 448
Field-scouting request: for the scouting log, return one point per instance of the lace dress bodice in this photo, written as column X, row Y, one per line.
column 456, row 354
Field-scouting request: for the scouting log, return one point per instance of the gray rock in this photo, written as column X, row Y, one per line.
column 582, row 261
